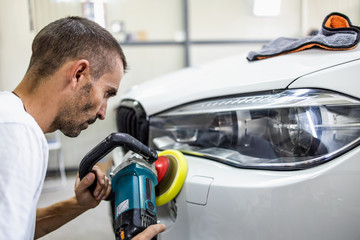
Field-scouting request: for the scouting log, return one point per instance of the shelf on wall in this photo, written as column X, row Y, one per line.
column 196, row 42
column 150, row 43
column 187, row 43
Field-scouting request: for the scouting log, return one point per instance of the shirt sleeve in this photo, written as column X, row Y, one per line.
column 21, row 178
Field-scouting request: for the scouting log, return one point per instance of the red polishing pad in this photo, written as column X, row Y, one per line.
column 162, row 166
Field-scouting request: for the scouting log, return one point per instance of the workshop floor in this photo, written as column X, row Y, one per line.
column 92, row 225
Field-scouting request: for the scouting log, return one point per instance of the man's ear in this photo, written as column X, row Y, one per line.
column 79, row 70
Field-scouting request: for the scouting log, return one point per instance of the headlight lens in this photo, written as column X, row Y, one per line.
column 285, row 130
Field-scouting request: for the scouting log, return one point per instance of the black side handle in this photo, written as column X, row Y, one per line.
column 109, row 143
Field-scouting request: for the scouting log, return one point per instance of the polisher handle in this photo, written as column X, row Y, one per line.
column 109, row 143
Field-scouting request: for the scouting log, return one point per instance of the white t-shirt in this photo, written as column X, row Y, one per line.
column 23, row 164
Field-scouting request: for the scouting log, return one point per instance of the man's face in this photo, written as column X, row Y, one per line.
column 88, row 103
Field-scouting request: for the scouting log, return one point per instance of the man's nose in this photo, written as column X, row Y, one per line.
column 101, row 114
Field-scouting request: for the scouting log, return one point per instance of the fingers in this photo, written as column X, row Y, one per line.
column 85, row 182
column 150, row 232
column 103, row 185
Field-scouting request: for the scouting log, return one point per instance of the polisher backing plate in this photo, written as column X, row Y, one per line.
column 171, row 184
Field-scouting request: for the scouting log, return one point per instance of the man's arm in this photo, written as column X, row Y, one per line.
column 51, row 218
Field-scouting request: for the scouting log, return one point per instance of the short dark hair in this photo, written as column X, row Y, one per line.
column 73, row 38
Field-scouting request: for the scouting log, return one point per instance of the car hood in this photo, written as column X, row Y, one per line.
column 233, row 75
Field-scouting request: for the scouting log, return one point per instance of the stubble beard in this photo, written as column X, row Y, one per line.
column 69, row 119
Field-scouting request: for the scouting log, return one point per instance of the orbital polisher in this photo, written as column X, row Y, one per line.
column 134, row 181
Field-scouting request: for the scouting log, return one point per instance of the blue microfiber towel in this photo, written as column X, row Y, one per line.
column 337, row 33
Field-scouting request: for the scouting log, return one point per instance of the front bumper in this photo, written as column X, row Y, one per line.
column 221, row 202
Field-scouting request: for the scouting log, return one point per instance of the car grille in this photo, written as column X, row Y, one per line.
column 131, row 119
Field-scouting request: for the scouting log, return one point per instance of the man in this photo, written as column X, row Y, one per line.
column 75, row 67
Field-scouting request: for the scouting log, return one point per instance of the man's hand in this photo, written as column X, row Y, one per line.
column 86, row 198
column 150, row 232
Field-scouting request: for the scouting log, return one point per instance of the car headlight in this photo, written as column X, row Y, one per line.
column 280, row 130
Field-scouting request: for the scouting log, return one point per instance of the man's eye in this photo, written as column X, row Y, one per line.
column 109, row 94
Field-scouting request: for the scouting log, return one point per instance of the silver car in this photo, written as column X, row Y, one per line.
column 272, row 146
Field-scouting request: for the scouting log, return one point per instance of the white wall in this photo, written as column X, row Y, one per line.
column 15, row 42
column 157, row 20
column 315, row 11
column 234, row 19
